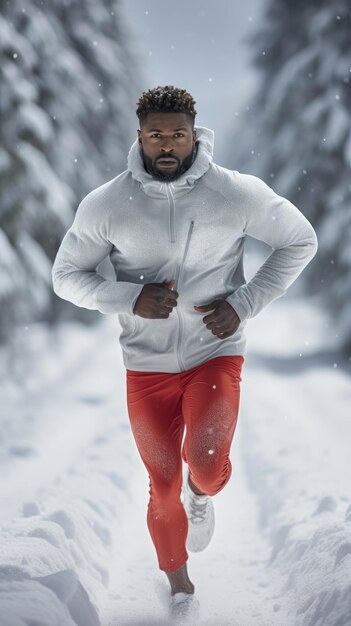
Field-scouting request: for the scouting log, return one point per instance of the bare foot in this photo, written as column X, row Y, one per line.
column 180, row 581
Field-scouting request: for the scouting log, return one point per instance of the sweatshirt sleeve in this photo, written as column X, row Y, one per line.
column 74, row 275
column 276, row 221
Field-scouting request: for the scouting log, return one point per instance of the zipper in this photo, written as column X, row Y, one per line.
column 180, row 267
column 178, row 276
column 170, row 197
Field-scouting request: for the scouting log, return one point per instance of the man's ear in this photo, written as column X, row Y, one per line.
column 139, row 136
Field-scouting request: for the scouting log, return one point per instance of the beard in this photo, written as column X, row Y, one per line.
column 183, row 165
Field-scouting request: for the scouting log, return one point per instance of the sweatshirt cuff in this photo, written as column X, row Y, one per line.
column 117, row 297
column 242, row 312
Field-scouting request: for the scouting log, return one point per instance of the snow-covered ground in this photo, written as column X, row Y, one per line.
column 74, row 545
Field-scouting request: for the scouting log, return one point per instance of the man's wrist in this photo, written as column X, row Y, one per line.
column 239, row 310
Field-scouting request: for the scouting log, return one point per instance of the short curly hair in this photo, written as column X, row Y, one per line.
column 167, row 99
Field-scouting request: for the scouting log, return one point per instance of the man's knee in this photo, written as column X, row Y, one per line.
column 211, row 478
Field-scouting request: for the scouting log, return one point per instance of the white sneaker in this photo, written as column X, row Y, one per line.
column 184, row 608
column 201, row 517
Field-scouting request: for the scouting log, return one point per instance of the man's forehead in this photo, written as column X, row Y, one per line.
column 166, row 121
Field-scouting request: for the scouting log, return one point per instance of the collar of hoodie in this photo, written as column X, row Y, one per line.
column 184, row 183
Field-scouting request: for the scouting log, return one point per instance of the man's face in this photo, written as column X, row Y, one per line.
column 167, row 141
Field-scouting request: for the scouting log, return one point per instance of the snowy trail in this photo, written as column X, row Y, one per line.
column 75, row 539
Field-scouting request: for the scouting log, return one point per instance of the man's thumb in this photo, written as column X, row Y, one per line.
column 170, row 283
column 206, row 307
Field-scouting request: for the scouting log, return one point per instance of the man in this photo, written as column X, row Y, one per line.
column 174, row 225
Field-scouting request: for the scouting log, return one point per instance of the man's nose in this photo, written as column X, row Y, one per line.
column 167, row 146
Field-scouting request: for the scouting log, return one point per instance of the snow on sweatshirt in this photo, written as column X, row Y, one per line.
column 192, row 230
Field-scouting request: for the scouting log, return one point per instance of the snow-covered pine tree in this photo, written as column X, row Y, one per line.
column 68, row 79
column 296, row 134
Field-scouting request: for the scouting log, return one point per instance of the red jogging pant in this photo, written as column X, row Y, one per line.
column 205, row 400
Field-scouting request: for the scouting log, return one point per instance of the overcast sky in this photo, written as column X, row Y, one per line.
column 199, row 45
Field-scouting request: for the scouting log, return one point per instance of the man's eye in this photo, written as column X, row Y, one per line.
column 155, row 135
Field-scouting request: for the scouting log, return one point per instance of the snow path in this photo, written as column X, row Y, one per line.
column 74, row 542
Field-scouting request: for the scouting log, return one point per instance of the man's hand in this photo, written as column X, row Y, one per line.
column 156, row 300
column 223, row 322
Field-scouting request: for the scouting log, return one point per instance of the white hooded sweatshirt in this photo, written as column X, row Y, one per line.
column 192, row 230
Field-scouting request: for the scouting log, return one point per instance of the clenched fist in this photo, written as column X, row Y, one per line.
column 156, row 300
column 223, row 322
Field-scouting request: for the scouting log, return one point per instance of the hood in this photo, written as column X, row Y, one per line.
column 155, row 188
